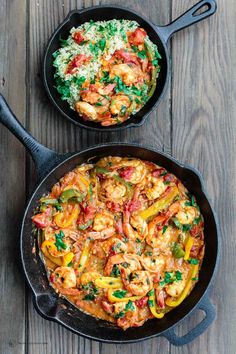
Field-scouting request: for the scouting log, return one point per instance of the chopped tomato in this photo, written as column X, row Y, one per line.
column 108, row 89
column 127, row 56
column 88, row 213
column 113, row 206
column 158, row 172
column 93, row 88
column 126, row 173
column 169, row 178
column 41, row 220
column 109, row 308
column 132, row 205
column 196, row 229
column 160, row 296
column 76, row 62
column 137, row 37
column 78, row 37
column 142, row 302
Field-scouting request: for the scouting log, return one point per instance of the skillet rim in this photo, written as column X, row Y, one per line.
column 67, row 158
column 80, row 121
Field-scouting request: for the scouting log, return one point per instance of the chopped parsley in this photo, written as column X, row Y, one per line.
column 102, row 44
column 164, row 229
column 59, row 242
column 171, row 277
column 115, row 271
column 130, row 306
column 91, row 290
column 119, row 293
column 142, row 54
column 120, row 314
column 193, row 261
column 59, row 207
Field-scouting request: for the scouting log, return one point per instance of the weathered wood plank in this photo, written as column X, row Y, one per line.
column 204, row 128
column 12, row 179
column 44, row 336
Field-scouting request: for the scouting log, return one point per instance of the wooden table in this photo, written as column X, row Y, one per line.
column 195, row 123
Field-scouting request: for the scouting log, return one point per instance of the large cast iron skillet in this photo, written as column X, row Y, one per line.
column 50, row 168
column 158, row 34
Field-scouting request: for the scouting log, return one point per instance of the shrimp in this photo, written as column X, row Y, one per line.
column 101, row 104
column 113, row 190
column 129, row 73
column 103, row 221
column 65, row 277
column 88, row 277
column 91, row 96
column 86, row 110
column 139, row 224
column 186, row 214
column 131, row 260
column 160, row 238
column 103, row 226
column 137, row 282
column 156, row 189
column 139, row 169
column 119, row 104
column 176, row 288
column 118, row 246
column 134, row 222
column 153, row 264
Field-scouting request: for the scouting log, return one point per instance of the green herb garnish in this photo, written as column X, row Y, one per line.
column 59, row 242
column 193, row 261
column 119, row 293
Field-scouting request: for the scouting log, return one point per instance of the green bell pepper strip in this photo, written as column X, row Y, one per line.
column 126, row 184
column 71, row 194
column 177, row 251
column 48, row 201
column 151, row 56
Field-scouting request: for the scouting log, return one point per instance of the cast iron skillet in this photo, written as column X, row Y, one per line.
column 51, row 166
column 158, row 34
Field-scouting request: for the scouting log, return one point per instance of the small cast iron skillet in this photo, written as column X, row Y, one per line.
column 158, row 35
column 51, row 166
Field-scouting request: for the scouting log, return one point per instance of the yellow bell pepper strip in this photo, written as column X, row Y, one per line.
column 84, row 256
column 160, row 204
column 119, row 296
column 84, row 180
column 152, row 305
column 109, row 282
column 192, row 274
column 44, row 247
column 188, row 247
column 67, row 258
column 64, row 220
column 69, row 194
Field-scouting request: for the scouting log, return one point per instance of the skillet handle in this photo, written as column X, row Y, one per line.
column 210, row 314
column 43, row 157
column 188, row 18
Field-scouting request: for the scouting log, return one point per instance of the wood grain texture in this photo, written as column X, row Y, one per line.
column 204, row 127
column 194, row 123
column 12, row 178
